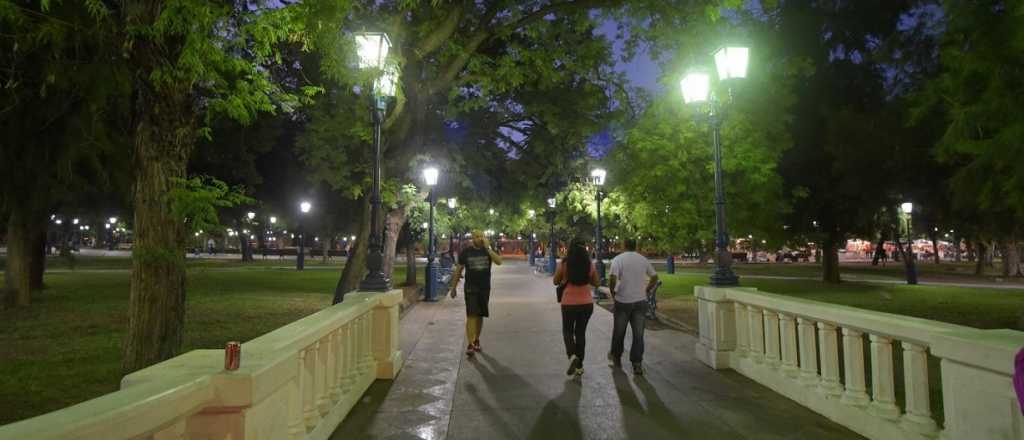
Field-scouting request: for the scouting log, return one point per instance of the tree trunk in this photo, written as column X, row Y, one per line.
column 979, row 262
column 830, row 258
column 935, row 246
column 392, row 227
column 23, row 257
column 1011, row 258
column 879, row 250
column 355, row 265
column 164, row 137
column 325, row 245
column 243, row 241
column 410, row 263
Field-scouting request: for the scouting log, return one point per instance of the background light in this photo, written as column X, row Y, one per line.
column 305, row 207
column 372, row 48
column 551, row 202
column 598, row 175
column 430, row 176
column 452, row 203
column 696, row 87
column 251, row 215
column 113, row 220
column 732, row 62
column 273, row 220
column 907, row 207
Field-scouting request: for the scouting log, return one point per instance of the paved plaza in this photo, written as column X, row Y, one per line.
column 517, row 387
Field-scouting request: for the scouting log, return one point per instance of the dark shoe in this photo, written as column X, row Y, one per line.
column 579, row 367
column 470, row 351
column 638, row 369
column 476, row 346
column 572, row 366
column 614, row 361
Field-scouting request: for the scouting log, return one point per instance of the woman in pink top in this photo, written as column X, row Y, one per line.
column 579, row 275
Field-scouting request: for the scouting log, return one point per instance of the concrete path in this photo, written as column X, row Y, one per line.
column 517, row 387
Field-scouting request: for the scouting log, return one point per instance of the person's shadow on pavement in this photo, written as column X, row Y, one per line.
column 655, row 414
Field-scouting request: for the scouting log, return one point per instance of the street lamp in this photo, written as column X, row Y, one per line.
column 430, row 288
column 300, row 259
column 531, row 214
column 731, row 63
column 552, row 251
column 372, row 48
column 452, row 203
column 597, row 176
column 909, row 266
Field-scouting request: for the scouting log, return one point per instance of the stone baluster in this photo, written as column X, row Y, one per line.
column 883, row 392
column 915, row 375
column 296, row 424
column 787, row 335
column 349, row 369
column 756, row 324
column 771, row 338
column 742, row 334
column 323, row 385
column 309, row 413
column 367, row 341
column 338, row 352
column 808, row 352
column 828, row 347
column 856, row 392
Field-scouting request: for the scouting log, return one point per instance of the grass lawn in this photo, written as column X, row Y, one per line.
column 66, row 347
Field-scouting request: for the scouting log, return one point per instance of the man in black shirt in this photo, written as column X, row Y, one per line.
column 476, row 260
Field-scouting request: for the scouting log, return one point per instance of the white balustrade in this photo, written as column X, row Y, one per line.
column 297, row 382
column 791, row 345
column 853, row 368
column 883, row 390
column 829, row 359
column 771, row 338
column 808, row 353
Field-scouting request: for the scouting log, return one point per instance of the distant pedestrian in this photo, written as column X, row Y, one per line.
column 631, row 277
column 210, row 246
column 579, row 275
column 476, row 260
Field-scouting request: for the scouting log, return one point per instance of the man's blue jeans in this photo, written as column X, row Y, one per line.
column 632, row 314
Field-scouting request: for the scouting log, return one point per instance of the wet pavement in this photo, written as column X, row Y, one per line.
column 517, row 388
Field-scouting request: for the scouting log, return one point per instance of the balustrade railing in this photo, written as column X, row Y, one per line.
column 814, row 353
column 297, row 382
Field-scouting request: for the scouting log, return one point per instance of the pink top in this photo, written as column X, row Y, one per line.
column 574, row 294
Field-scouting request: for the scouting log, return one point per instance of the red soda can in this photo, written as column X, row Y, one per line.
column 232, row 355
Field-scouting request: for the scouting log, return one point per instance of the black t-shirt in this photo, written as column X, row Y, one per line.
column 477, row 264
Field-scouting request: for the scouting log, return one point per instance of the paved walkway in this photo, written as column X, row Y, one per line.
column 517, row 388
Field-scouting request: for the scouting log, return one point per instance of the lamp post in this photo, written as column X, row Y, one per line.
column 731, row 63
column 909, row 266
column 300, row 259
column 373, row 51
column 552, row 251
column 452, row 203
column 531, row 214
column 430, row 288
column 597, row 176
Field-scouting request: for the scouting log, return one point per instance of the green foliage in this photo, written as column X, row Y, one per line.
column 978, row 94
column 195, row 201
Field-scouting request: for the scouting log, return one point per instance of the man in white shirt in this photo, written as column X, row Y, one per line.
column 631, row 276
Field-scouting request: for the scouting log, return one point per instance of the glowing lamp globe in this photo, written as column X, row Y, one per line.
column 696, row 87
column 732, row 62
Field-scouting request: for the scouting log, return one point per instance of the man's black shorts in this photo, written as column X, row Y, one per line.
column 476, row 302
